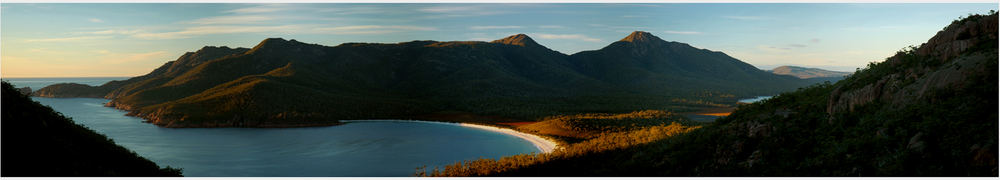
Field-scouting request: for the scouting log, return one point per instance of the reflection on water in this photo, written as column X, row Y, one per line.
column 353, row 149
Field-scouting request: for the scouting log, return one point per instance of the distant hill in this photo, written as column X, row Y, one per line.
column 926, row 111
column 806, row 73
column 40, row 142
column 287, row 83
column 644, row 63
column 813, row 75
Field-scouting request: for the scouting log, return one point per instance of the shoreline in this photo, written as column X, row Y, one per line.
column 542, row 144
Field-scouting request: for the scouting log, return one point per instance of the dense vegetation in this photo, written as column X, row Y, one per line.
column 604, row 142
column 38, row 141
column 286, row 83
column 927, row 111
column 590, row 125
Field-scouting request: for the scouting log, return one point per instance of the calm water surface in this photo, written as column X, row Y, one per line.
column 38, row 83
column 353, row 149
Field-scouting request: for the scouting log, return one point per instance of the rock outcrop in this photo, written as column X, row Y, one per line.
column 942, row 62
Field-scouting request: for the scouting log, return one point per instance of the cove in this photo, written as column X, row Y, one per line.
column 357, row 149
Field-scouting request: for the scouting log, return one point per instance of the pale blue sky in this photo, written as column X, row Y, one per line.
column 71, row 40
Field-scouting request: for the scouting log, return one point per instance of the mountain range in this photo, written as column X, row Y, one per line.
column 287, row 83
column 806, row 73
column 928, row 110
column 813, row 75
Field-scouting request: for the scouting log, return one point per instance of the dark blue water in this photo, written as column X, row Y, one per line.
column 354, row 149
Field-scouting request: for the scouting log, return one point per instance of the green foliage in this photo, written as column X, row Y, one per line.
column 970, row 17
column 949, row 131
column 39, row 141
column 589, row 125
column 605, row 142
column 282, row 83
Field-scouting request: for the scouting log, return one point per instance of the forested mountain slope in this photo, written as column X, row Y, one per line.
column 286, row 83
column 929, row 110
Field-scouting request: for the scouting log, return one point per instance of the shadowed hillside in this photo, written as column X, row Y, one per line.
column 645, row 63
column 286, row 83
column 926, row 111
column 38, row 141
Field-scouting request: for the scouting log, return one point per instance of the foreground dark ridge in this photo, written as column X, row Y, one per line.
column 286, row 83
column 926, row 111
column 40, row 142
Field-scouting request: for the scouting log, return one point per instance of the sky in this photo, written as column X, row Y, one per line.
column 119, row 40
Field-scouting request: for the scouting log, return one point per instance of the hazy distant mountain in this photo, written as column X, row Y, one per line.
column 286, row 83
column 806, row 73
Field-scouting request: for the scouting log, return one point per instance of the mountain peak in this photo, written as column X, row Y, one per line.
column 517, row 39
column 208, row 49
column 641, row 36
column 271, row 44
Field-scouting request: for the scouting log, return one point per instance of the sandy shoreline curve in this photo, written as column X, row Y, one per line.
column 544, row 145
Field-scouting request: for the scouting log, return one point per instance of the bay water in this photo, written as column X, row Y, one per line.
column 356, row 149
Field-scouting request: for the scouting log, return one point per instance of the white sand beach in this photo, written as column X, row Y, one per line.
column 544, row 145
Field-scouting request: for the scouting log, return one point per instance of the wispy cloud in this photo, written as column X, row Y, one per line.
column 803, row 45
column 494, row 27
column 460, row 11
column 239, row 19
column 450, row 9
column 297, row 28
column 261, row 8
column 372, row 29
column 357, row 10
column 773, row 49
column 121, row 58
column 480, row 39
column 111, row 32
column 745, row 17
column 623, row 29
column 631, row 4
column 874, row 28
column 95, row 20
column 683, row 32
column 205, row 30
column 567, row 36
column 551, row 27
column 68, row 39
